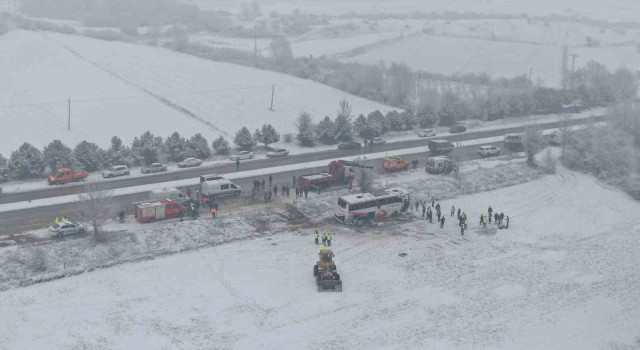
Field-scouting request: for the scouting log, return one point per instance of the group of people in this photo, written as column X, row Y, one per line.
column 427, row 211
column 326, row 239
column 194, row 206
column 62, row 220
column 497, row 219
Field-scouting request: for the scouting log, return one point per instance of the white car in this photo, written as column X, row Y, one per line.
column 66, row 228
column 427, row 132
column 278, row 152
column 486, row 151
column 153, row 168
column 242, row 155
column 378, row 141
column 189, row 162
column 116, row 170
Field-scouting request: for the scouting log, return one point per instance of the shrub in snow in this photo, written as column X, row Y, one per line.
column 305, row 127
column 89, row 156
column 198, row 147
column 26, row 162
column 549, row 162
column 267, row 135
column 326, row 131
column 57, row 155
column 288, row 138
column 3, row 161
column 118, row 153
column 220, row 145
column 146, row 148
column 37, row 260
column 244, row 139
column 175, row 146
column 364, row 179
column 377, row 120
column 395, row 121
column 533, row 142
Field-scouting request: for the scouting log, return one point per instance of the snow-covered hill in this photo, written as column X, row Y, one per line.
column 125, row 89
column 563, row 276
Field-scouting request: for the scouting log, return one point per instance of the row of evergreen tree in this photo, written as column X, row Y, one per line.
column 29, row 162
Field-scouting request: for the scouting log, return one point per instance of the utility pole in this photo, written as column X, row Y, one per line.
column 273, row 89
column 573, row 69
column 69, row 114
column 530, row 72
column 255, row 44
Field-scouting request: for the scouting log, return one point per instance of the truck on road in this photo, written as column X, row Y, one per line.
column 150, row 211
column 336, row 173
column 438, row 147
column 66, row 175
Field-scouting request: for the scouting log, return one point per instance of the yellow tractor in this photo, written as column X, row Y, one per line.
column 327, row 278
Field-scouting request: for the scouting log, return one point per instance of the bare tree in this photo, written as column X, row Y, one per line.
column 281, row 49
column 564, row 132
column 533, row 142
column 365, row 179
column 96, row 206
column 344, row 109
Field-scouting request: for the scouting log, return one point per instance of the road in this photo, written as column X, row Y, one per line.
column 193, row 173
column 19, row 221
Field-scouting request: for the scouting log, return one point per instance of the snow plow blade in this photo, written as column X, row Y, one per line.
column 329, row 285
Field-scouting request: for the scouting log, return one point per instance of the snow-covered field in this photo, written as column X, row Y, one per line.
column 454, row 55
column 209, row 97
column 563, row 276
column 614, row 10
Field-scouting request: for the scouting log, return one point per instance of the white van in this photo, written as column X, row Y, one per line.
column 116, row 170
column 220, row 188
column 169, row 193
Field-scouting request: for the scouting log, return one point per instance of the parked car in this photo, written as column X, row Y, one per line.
column 427, row 132
column 116, row 170
column 242, row 155
column 278, row 152
column 486, row 151
column 189, row 162
column 350, row 145
column 65, row 228
column 153, row 168
column 457, row 129
column 378, row 141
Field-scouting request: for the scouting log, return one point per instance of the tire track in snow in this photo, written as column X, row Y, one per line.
column 160, row 98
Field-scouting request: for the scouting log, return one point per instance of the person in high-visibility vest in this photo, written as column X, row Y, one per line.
column 322, row 247
column 315, row 237
column 56, row 221
column 329, row 238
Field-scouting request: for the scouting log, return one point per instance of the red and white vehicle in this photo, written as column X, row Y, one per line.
column 357, row 209
column 158, row 210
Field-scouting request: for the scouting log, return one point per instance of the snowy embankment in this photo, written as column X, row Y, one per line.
column 563, row 276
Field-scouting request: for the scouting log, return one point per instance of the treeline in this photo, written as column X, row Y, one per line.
column 610, row 152
column 30, row 162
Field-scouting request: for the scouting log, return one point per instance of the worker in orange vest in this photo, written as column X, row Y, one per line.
column 214, row 211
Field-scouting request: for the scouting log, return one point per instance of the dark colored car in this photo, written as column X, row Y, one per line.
column 350, row 145
column 457, row 129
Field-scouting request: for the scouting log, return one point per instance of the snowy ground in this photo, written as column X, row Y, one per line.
column 563, row 276
column 614, row 10
column 124, row 89
column 454, row 55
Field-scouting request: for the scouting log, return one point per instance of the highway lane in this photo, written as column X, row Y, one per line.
column 19, row 221
column 69, row 189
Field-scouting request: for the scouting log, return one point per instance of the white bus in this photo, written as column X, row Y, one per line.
column 356, row 209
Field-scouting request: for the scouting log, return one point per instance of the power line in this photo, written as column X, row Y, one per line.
column 105, row 99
